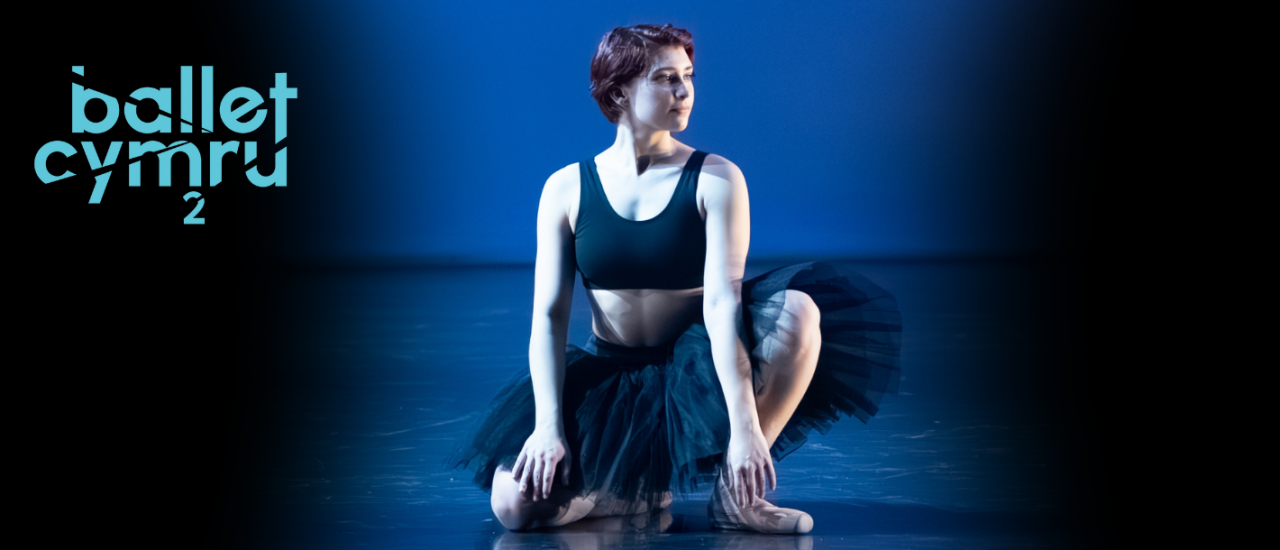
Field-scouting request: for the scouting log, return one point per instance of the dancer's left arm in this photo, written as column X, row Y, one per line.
column 728, row 222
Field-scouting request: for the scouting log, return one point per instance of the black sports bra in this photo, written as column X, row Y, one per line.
column 667, row 251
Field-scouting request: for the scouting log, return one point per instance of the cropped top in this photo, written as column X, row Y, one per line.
column 667, row 251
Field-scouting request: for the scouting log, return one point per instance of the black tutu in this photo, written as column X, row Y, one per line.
column 644, row 421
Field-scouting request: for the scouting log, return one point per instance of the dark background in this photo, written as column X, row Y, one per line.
column 421, row 135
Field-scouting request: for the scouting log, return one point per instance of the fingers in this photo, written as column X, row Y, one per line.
column 548, row 476
column 744, row 489
column 737, row 486
column 762, row 481
column 751, row 487
column 564, row 467
column 757, row 488
column 538, row 467
column 518, row 468
column 750, row 482
column 526, row 476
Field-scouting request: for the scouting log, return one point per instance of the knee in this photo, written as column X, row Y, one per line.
column 795, row 333
column 508, row 503
column 800, row 320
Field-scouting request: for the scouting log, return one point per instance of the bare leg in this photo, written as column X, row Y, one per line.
column 788, row 356
column 517, row 511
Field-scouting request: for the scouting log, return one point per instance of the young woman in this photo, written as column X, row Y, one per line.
column 692, row 374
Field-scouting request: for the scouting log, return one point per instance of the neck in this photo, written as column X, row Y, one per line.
column 640, row 148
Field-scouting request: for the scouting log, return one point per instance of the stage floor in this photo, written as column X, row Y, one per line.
column 382, row 371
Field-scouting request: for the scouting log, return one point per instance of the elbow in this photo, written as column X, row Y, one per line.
column 551, row 318
column 716, row 304
column 559, row 317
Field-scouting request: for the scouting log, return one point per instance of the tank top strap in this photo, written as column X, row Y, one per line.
column 694, row 166
column 688, row 190
column 591, row 189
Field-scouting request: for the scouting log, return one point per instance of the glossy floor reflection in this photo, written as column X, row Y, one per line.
column 381, row 371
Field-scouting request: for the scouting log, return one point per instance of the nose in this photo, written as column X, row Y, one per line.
column 681, row 90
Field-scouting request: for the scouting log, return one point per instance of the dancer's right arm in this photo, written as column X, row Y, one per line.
column 535, row 467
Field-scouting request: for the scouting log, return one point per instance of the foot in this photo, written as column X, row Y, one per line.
column 760, row 516
column 577, row 509
column 605, row 506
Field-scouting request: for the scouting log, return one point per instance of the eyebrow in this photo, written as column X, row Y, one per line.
column 668, row 68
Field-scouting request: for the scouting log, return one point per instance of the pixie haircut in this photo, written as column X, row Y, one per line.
column 625, row 53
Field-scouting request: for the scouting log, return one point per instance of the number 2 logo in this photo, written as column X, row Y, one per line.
column 191, row 218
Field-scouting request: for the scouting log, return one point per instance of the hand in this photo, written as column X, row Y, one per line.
column 535, row 467
column 749, row 467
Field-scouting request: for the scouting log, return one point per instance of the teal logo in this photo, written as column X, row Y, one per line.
column 243, row 118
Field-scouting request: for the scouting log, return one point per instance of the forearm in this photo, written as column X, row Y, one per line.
column 546, row 369
column 732, row 363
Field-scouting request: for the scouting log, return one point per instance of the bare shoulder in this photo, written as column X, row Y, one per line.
column 562, row 181
column 560, row 193
column 721, row 168
column 721, row 183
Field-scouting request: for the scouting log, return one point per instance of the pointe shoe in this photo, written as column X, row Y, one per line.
column 605, row 506
column 577, row 509
column 761, row 516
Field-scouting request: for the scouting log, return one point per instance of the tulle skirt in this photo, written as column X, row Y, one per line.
column 641, row 422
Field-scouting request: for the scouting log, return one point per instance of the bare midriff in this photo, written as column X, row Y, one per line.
column 643, row 317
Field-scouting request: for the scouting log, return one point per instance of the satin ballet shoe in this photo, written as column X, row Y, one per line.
column 605, row 506
column 761, row 516
column 577, row 509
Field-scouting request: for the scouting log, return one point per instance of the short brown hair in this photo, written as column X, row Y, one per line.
column 623, row 54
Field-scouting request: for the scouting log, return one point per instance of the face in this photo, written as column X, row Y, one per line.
column 662, row 98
